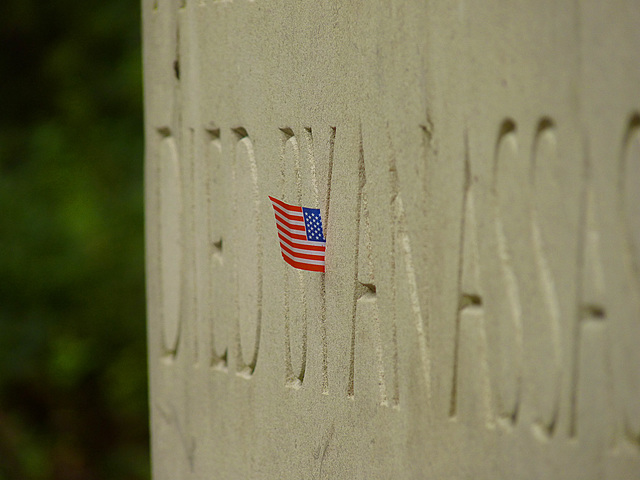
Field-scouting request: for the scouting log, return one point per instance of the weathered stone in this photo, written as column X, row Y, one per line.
column 477, row 169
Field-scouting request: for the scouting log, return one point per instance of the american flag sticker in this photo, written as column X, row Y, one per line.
column 302, row 241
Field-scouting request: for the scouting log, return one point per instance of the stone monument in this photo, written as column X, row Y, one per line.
column 476, row 167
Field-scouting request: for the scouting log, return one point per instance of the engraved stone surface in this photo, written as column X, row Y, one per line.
column 477, row 170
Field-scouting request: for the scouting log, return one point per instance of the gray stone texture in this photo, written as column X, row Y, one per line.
column 477, row 168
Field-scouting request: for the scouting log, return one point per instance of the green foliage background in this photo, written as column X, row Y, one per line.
column 73, row 383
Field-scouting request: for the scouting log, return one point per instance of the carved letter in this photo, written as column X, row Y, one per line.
column 247, row 253
column 170, row 242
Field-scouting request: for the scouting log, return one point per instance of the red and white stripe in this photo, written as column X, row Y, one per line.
column 296, row 250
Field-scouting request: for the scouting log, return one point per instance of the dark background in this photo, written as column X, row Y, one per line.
column 73, row 382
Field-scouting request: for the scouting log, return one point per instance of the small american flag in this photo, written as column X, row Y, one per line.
column 301, row 239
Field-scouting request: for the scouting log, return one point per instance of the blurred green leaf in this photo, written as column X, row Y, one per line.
column 72, row 347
